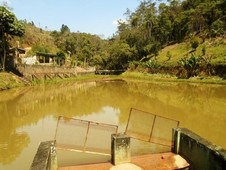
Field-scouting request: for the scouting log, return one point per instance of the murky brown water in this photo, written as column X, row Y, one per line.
column 29, row 115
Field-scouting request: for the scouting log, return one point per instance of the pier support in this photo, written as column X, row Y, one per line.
column 120, row 149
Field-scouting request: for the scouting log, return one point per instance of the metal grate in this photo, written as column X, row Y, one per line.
column 84, row 136
column 150, row 127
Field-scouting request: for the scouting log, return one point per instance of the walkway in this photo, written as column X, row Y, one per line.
column 162, row 161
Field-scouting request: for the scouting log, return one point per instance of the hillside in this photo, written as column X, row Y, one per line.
column 188, row 35
column 215, row 51
column 34, row 36
column 215, row 48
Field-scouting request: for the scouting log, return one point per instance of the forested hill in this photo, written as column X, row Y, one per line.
column 35, row 38
column 179, row 32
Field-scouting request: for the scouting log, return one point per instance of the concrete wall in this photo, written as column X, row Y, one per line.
column 40, row 70
column 45, row 158
column 200, row 153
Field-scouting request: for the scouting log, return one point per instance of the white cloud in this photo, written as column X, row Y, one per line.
column 5, row 2
column 115, row 22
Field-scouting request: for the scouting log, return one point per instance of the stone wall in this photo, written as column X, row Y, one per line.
column 29, row 70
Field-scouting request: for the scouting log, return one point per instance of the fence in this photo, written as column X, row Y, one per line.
column 150, row 127
column 84, row 136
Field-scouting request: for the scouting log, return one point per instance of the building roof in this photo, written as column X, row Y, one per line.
column 20, row 50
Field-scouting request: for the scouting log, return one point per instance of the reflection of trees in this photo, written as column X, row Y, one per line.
column 72, row 99
column 184, row 96
column 200, row 107
column 10, row 148
column 11, row 142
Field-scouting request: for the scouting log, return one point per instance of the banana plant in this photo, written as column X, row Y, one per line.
column 191, row 64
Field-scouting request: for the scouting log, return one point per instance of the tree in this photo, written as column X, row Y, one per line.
column 60, row 57
column 38, row 48
column 9, row 26
column 64, row 29
column 119, row 55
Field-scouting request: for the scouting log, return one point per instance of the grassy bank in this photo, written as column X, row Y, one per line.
column 169, row 78
column 9, row 80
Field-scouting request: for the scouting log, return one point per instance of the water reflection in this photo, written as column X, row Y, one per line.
column 24, row 110
column 11, row 147
column 11, row 142
column 198, row 107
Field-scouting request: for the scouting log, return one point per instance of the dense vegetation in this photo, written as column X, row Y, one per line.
column 188, row 36
column 9, row 26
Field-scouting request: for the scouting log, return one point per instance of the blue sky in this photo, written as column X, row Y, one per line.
column 90, row 16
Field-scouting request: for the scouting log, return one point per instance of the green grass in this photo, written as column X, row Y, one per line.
column 8, row 81
column 168, row 78
column 215, row 48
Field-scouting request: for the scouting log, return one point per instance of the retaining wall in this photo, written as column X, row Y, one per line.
column 200, row 153
column 29, row 70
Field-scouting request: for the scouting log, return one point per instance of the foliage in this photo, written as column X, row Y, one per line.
column 38, row 48
column 168, row 55
column 60, row 55
column 34, row 37
column 9, row 26
column 119, row 55
column 204, row 50
column 81, row 47
column 191, row 65
column 151, row 27
column 194, row 43
column 140, row 40
column 64, row 29
column 147, row 66
column 9, row 80
column 152, row 64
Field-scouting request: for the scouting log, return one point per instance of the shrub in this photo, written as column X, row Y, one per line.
column 191, row 65
column 195, row 43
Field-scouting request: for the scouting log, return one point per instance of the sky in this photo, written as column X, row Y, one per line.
column 90, row 16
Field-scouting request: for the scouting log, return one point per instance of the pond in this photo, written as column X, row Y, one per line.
column 29, row 115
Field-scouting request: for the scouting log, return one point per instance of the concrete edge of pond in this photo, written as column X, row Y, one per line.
column 200, row 153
